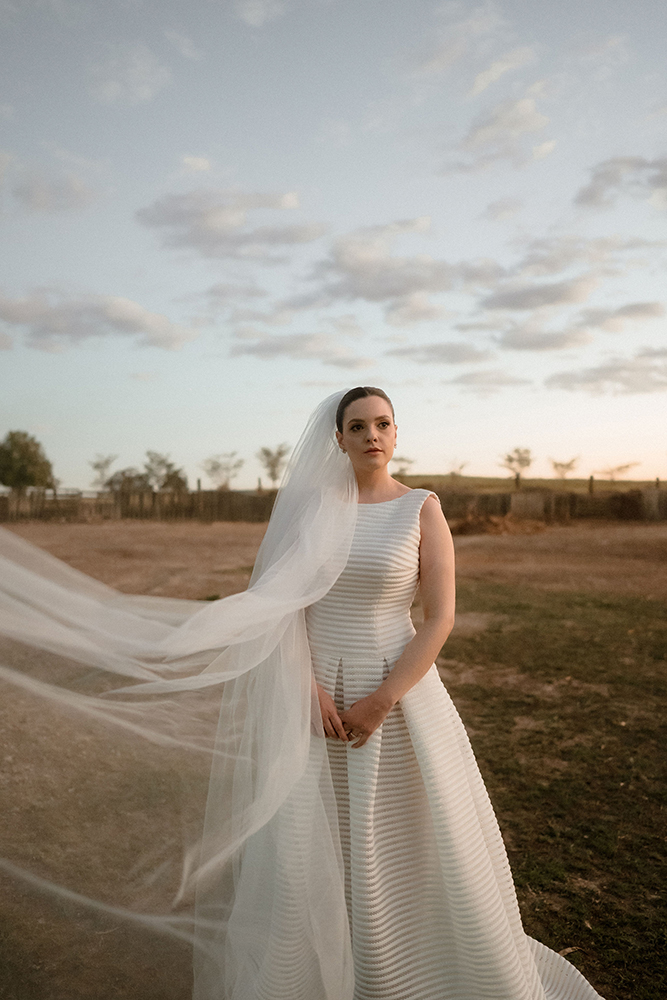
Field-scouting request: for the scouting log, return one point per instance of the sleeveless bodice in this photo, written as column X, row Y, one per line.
column 365, row 617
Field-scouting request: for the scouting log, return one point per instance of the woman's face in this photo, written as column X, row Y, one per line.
column 369, row 433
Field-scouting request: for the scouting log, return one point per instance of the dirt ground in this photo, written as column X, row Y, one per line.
column 54, row 950
column 194, row 560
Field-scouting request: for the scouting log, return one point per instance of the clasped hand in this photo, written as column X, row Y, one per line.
column 357, row 723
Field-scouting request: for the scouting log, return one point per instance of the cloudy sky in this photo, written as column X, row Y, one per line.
column 217, row 212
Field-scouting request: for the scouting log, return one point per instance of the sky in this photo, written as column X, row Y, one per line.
column 216, row 213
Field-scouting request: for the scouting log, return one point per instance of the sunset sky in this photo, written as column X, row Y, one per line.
column 217, row 212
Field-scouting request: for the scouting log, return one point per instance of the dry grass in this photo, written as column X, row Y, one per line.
column 557, row 666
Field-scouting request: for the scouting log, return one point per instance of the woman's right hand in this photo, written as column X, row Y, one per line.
column 333, row 727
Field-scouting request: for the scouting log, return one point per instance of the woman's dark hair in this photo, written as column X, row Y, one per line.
column 360, row 392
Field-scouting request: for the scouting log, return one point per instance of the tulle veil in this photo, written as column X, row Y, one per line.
column 211, row 704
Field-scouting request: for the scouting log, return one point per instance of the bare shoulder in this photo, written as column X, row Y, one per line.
column 432, row 522
column 431, row 510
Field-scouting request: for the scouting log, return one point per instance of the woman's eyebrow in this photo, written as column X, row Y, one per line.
column 359, row 420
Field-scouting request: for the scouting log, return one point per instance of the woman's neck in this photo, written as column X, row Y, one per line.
column 376, row 486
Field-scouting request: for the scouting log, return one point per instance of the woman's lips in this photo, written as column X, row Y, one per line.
column 373, row 451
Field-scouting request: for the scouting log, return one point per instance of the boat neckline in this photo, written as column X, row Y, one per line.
column 379, row 503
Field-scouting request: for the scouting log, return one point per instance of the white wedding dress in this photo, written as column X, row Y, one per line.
column 431, row 902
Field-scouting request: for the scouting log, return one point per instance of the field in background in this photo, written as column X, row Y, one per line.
column 501, row 484
column 557, row 665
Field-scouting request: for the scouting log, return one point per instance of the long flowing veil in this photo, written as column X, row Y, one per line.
column 217, row 712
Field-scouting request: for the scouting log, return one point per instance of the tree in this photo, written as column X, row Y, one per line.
column 128, row 480
column 101, row 465
column 274, row 461
column 516, row 461
column 616, row 470
column 221, row 469
column 561, row 469
column 23, row 462
column 456, row 467
column 162, row 474
column 403, row 464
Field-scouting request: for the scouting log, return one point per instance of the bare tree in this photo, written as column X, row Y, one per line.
column 221, row 469
column 101, row 465
column 456, row 468
column 561, row 469
column 274, row 461
column 617, row 470
column 162, row 474
column 516, row 461
column 403, row 464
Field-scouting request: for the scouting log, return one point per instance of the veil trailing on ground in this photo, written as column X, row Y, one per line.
column 159, row 801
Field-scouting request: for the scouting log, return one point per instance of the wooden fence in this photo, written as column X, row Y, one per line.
column 202, row 505
column 228, row 505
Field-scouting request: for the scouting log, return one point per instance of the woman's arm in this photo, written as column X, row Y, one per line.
column 436, row 574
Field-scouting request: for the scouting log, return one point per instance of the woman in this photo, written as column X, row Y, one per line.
column 366, row 865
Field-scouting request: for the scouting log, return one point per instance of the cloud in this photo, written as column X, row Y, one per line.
column 51, row 322
column 363, row 265
column 414, row 308
column 441, row 353
column 484, row 383
column 504, row 64
column 616, row 320
column 6, row 111
column 257, row 13
column 214, row 223
column 632, row 175
column 504, row 208
column 196, row 164
column 131, row 74
column 541, row 151
column 646, row 372
column 183, row 45
column 551, row 255
column 323, row 347
column 530, row 336
column 497, row 135
column 39, row 193
column 536, row 296
column 458, row 39
column 224, row 292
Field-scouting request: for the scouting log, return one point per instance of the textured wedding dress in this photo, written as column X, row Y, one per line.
column 430, row 898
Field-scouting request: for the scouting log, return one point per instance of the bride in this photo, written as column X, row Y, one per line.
column 348, row 849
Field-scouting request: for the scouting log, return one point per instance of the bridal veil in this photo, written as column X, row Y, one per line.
column 224, row 693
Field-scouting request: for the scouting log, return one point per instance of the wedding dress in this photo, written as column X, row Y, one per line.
column 430, row 897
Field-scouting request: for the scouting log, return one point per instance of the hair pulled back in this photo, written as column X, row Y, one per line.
column 360, row 392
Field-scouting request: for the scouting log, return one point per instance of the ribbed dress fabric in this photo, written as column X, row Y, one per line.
column 431, row 902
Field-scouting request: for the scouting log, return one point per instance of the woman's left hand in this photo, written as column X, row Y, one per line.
column 362, row 719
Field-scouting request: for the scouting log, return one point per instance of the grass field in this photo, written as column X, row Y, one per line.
column 557, row 666
column 563, row 695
